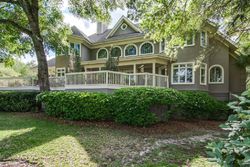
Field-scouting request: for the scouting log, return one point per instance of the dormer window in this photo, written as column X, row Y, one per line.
column 203, row 38
column 147, row 48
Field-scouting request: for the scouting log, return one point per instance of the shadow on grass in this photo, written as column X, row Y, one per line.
column 21, row 134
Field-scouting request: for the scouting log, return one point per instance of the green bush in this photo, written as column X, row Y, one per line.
column 234, row 150
column 132, row 105
column 76, row 105
column 200, row 105
column 17, row 101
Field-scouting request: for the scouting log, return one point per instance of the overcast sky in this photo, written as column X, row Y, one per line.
column 85, row 26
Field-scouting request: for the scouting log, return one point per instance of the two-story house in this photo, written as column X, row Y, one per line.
column 217, row 73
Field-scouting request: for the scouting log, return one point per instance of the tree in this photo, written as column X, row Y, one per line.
column 174, row 19
column 36, row 26
column 113, row 60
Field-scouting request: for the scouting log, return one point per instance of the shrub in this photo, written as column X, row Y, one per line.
column 76, row 105
column 132, row 105
column 17, row 101
column 235, row 149
column 200, row 105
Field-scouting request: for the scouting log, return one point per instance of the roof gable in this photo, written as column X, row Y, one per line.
column 117, row 30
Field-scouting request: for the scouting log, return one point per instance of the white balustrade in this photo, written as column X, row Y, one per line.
column 96, row 79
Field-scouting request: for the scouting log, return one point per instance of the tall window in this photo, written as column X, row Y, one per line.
column 102, row 54
column 203, row 74
column 190, row 38
column 60, row 72
column 130, row 50
column 147, row 48
column 162, row 45
column 116, row 52
column 182, row 73
column 203, row 38
column 216, row 74
column 75, row 49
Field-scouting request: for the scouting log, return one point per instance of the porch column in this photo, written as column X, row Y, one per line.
column 134, row 68
column 153, row 71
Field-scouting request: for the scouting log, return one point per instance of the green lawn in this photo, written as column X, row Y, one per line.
column 49, row 143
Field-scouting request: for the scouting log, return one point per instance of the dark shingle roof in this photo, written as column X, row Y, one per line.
column 78, row 32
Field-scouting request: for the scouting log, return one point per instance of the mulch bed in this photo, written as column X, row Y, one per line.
column 16, row 163
column 170, row 127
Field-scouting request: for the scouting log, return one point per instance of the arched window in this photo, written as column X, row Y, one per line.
column 102, row 53
column 130, row 50
column 147, row 48
column 216, row 74
column 116, row 51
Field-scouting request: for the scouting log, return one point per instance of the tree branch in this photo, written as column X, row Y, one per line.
column 16, row 25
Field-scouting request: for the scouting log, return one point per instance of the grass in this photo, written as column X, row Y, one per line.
column 48, row 143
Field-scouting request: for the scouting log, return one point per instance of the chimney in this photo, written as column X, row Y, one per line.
column 101, row 27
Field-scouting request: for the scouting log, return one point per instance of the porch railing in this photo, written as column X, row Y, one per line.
column 97, row 79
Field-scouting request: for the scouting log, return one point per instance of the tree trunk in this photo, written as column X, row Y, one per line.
column 43, row 74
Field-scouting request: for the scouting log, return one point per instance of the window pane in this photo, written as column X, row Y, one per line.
column 130, row 50
column 189, row 39
column 146, row 48
column 202, row 75
column 175, row 75
column 189, row 75
column 77, row 49
column 116, row 52
column 216, row 74
column 182, row 74
column 162, row 45
column 102, row 54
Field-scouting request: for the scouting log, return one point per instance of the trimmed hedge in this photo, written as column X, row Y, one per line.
column 17, row 101
column 132, row 105
column 76, row 105
column 200, row 105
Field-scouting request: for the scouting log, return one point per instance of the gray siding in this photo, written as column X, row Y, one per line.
column 85, row 52
column 119, row 31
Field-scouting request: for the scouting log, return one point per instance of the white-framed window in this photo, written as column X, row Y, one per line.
column 182, row 73
column 130, row 50
column 203, row 74
column 116, row 51
column 102, row 53
column 146, row 48
column 75, row 49
column 190, row 40
column 216, row 74
column 60, row 72
column 162, row 46
column 203, row 38
column 124, row 26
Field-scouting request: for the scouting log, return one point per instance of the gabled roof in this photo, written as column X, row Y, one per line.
column 78, row 32
column 118, row 24
column 51, row 62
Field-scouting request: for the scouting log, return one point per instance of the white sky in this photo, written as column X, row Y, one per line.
column 86, row 26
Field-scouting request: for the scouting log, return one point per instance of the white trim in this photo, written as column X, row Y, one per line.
column 126, row 48
column 193, row 40
column 124, row 28
column 63, row 68
column 119, row 48
column 206, row 39
column 205, row 74
column 118, row 24
column 99, row 51
column 153, row 48
column 222, row 75
column 185, row 83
